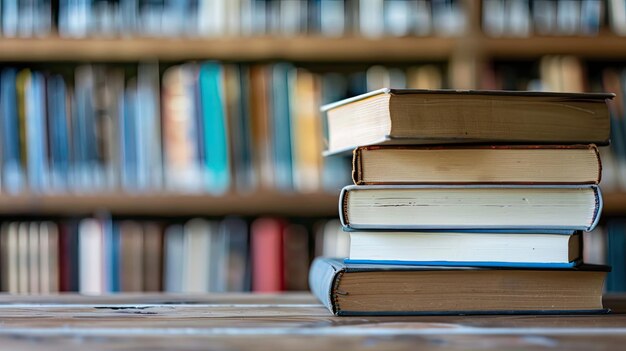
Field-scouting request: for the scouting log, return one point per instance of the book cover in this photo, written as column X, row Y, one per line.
column 403, row 204
column 180, row 132
column 479, row 249
column 174, row 251
column 326, row 276
column 216, row 161
column 12, row 170
column 267, row 255
column 282, row 128
column 492, row 164
column 58, row 132
column 413, row 116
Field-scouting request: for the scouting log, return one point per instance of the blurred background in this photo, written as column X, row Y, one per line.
column 170, row 145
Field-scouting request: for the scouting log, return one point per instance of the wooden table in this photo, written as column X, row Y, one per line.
column 280, row 322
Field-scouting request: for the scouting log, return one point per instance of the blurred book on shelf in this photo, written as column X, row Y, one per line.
column 219, row 18
column 202, row 127
column 523, row 18
column 103, row 255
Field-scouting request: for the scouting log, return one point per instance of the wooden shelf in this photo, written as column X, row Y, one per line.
column 170, row 205
column 606, row 46
column 303, row 49
column 614, row 203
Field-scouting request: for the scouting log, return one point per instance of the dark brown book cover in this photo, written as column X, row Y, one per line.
column 439, row 117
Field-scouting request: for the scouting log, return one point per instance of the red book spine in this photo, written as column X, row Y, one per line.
column 267, row 255
column 64, row 259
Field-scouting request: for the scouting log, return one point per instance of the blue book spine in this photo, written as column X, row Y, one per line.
column 58, row 132
column 82, row 143
column 129, row 132
column 245, row 178
column 12, row 177
column 281, row 109
column 533, row 265
column 616, row 280
column 141, row 128
column 216, row 161
column 107, row 248
column 115, row 257
column 35, row 133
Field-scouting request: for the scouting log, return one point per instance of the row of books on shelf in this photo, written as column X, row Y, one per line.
column 197, row 128
column 101, row 255
column 522, row 18
column 98, row 256
column 333, row 18
column 214, row 18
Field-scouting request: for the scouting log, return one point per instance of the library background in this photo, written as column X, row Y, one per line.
column 177, row 145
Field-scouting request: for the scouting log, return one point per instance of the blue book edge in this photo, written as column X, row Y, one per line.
column 559, row 265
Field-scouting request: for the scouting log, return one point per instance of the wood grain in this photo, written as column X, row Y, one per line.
column 270, row 322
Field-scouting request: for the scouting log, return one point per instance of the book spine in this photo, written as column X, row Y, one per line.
column 267, row 255
column 357, row 166
column 597, row 153
column 214, row 129
column 598, row 208
column 323, row 278
column 343, row 207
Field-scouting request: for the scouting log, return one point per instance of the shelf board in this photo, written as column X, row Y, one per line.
column 173, row 205
column 170, row 205
column 614, row 203
column 303, row 49
column 605, row 46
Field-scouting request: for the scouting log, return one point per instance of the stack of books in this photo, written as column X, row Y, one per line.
column 466, row 202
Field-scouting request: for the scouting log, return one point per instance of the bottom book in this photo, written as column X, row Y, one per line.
column 363, row 289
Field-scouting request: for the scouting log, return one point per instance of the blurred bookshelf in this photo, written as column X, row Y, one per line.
column 123, row 74
column 614, row 203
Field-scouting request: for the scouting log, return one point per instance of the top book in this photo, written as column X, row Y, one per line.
column 408, row 116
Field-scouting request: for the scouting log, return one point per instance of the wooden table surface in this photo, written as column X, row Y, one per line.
column 280, row 322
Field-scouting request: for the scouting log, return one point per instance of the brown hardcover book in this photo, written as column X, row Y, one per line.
column 406, row 116
column 131, row 256
column 152, row 256
column 535, row 164
column 260, row 124
column 367, row 289
column 296, row 257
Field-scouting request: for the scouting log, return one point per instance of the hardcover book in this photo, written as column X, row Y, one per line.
column 463, row 207
column 476, row 249
column 363, row 289
column 409, row 116
column 532, row 164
